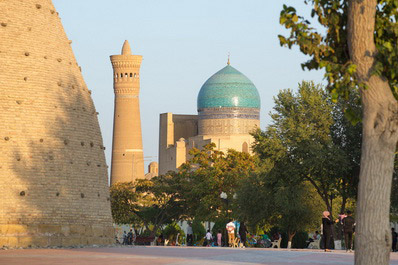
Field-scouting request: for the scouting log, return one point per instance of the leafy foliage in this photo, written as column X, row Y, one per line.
column 123, row 203
column 306, row 142
column 151, row 203
column 328, row 48
column 209, row 173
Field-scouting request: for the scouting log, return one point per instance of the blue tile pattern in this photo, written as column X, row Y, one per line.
column 228, row 88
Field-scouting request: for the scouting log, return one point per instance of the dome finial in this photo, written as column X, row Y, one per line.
column 228, row 63
column 126, row 50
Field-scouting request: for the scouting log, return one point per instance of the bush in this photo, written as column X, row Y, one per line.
column 199, row 231
column 171, row 231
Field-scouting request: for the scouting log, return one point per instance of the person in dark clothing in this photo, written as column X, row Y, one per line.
column 394, row 240
column 242, row 233
column 348, row 229
column 189, row 234
column 130, row 237
column 327, row 230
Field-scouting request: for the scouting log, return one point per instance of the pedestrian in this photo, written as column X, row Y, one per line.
column 219, row 237
column 394, row 240
column 189, row 234
column 124, row 238
column 231, row 233
column 327, row 230
column 130, row 237
column 209, row 238
column 242, row 233
column 348, row 230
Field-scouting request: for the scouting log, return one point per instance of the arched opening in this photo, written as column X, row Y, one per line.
column 245, row 148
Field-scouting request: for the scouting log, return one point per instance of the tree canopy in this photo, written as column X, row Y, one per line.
column 307, row 139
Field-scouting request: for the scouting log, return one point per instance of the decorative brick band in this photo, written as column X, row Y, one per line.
column 229, row 113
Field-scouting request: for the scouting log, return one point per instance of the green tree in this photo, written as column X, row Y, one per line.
column 152, row 203
column 123, row 203
column 300, row 146
column 297, row 209
column 356, row 47
column 267, row 200
column 209, row 173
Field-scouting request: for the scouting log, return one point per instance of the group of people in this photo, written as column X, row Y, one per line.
column 230, row 227
column 128, row 238
column 241, row 233
column 348, row 224
column 231, row 233
column 210, row 240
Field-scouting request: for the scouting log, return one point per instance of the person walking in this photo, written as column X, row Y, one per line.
column 231, row 233
column 219, row 238
column 394, row 240
column 327, row 230
column 242, row 233
column 348, row 229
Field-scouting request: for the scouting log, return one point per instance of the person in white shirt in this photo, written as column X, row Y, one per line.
column 231, row 233
column 209, row 238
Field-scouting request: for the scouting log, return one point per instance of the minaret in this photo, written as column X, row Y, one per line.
column 127, row 152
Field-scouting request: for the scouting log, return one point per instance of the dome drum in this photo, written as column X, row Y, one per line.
column 229, row 113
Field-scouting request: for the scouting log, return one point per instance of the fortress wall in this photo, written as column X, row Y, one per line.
column 53, row 174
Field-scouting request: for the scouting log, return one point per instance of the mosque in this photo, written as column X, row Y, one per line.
column 228, row 110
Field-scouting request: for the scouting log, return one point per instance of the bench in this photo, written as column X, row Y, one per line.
column 144, row 240
column 315, row 245
column 276, row 243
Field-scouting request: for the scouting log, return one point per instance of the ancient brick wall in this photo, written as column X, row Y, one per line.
column 53, row 174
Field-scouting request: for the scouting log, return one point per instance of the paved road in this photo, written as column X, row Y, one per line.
column 174, row 256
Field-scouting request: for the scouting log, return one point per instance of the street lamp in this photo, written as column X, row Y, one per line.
column 224, row 197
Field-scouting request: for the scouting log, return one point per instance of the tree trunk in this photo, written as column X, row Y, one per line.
column 372, row 241
column 290, row 238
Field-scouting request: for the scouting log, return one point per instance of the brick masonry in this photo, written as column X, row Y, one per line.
column 53, row 174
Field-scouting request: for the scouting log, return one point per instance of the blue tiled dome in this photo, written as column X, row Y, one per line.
column 228, row 88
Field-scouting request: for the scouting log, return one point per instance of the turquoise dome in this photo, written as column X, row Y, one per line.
column 228, row 88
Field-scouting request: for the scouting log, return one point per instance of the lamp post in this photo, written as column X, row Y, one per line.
column 224, row 198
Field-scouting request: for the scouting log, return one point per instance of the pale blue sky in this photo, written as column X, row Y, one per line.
column 183, row 43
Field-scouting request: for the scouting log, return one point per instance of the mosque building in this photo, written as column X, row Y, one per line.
column 228, row 110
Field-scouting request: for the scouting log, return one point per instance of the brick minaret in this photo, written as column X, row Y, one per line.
column 127, row 152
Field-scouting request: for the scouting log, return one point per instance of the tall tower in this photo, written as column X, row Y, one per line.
column 53, row 176
column 127, row 152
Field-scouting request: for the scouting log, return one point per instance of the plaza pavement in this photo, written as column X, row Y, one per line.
column 175, row 256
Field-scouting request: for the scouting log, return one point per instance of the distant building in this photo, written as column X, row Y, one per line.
column 153, row 170
column 228, row 110
column 127, row 151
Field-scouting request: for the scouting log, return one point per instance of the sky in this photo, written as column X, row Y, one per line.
column 183, row 43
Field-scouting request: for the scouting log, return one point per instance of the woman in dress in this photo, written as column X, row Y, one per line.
column 219, row 237
column 327, row 230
